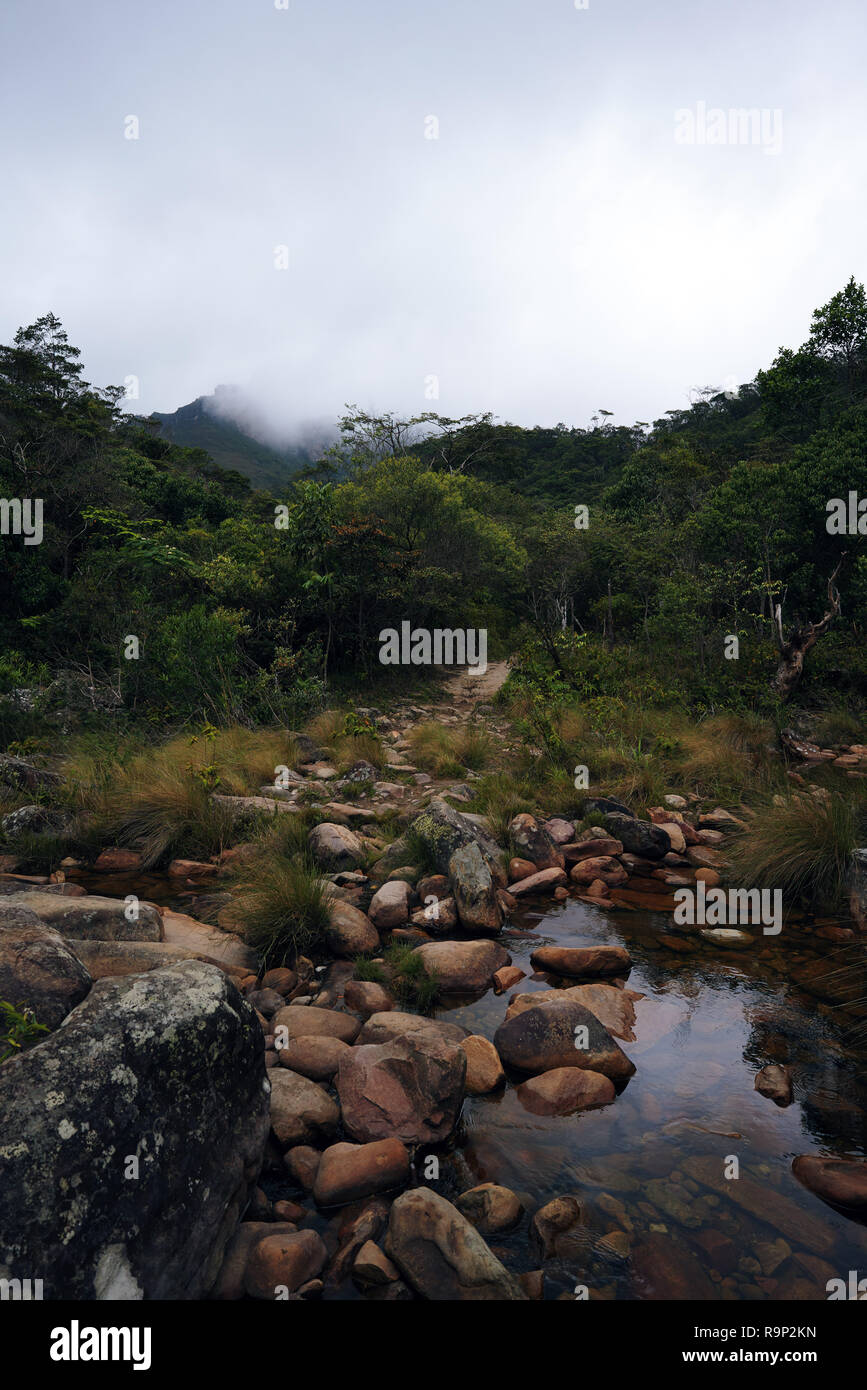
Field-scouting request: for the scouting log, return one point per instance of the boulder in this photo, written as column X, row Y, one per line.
column 410, row 1088
column 350, row 933
column 167, row 1067
column 181, row 930
column 484, row 1068
column 444, row 830
column 301, row 1111
column 389, row 907
column 463, row 967
column 38, row 971
column 372, row 1268
column 531, row 841
column 348, row 1172
column 111, row 959
column 593, row 847
column 474, row 890
column 583, row 961
column 565, row 1090
column 548, row 1036
column 92, row 917
column 603, row 867
column 437, row 918
column 336, row 847
column 613, row 1007
column 639, row 837
column 442, row 1256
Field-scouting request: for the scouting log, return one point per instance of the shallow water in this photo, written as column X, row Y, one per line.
column 709, row 1020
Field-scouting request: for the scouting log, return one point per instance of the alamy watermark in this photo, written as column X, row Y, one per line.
column 737, row 125
column 22, row 516
column 441, row 647
column 720, row 907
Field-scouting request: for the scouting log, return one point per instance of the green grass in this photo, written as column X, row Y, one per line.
column 18, row 1030
column 282, row 908
column 408, row 977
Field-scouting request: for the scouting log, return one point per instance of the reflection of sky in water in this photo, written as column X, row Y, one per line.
column 708, row 1022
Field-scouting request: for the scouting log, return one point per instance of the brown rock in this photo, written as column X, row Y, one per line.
column 348, row 1172
column 520, row 868
column 505, row 978
column 302, row 1165
column 441, row 1255
column 565, row 1090
column 841, row 1182
column 490, row 1208
column 301, row 1112
column 582, row 961
column 484, row 1068
column 389, row 906
column 373, row 1268
column 552, row 1224
column 117, row 861
column 667, row 1271
column 350, row 933
column 283, row 1262
column 463, row 967
column 775, row 1082
column 315, row 1057
column 607, row 870
column 307, row 1021
column 366, row 997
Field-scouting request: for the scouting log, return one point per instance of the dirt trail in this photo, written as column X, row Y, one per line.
column 465, row 689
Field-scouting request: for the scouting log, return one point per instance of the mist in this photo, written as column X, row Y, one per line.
column 455, row 208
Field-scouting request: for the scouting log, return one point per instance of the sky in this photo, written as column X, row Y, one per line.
column 522, row 206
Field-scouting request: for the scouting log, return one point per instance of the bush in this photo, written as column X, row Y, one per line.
column 282, row 908
column 801, row 845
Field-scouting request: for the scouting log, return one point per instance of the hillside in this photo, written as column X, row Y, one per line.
column 197, row 426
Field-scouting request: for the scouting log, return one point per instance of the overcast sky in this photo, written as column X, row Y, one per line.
column 557, row 249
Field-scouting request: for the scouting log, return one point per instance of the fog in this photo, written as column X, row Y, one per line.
column 285, row 223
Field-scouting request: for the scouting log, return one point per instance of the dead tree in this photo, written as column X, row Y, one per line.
column 792, row 652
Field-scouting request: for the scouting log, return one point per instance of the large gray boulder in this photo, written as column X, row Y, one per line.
column 639, row 837
column 444, row 830
column 560, row 1035
column 474, row 890
column 37, row 969
column 131, row 1138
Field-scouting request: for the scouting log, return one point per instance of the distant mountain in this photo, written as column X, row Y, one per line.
column 208, row 423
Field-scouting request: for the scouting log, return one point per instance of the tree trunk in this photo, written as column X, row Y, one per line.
column 792, row 652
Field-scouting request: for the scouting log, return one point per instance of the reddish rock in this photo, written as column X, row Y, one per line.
column 463, row 967
column 505, row 978
column 665, row 1270
column 490, row 1208
column 348, row 1172
column 307, row 1021
column 560, row 1035
column 410, row 1088
column 193, row 869
column 580, row 961
column 118, row 861
column 775, row 1082
column 301, row 1111
column 595, row 847
column 520, row 868
column 389, row 906
column 350, row 933
column 610, row 871
column 532, row 842
column 841, row 1182
column 372, row 1267
column 543, row 882
column 281, row 979
column 284, row 1262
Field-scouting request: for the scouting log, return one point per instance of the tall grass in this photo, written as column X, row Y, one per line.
column 282, row 908
column 447, row 752
column 800, row 844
